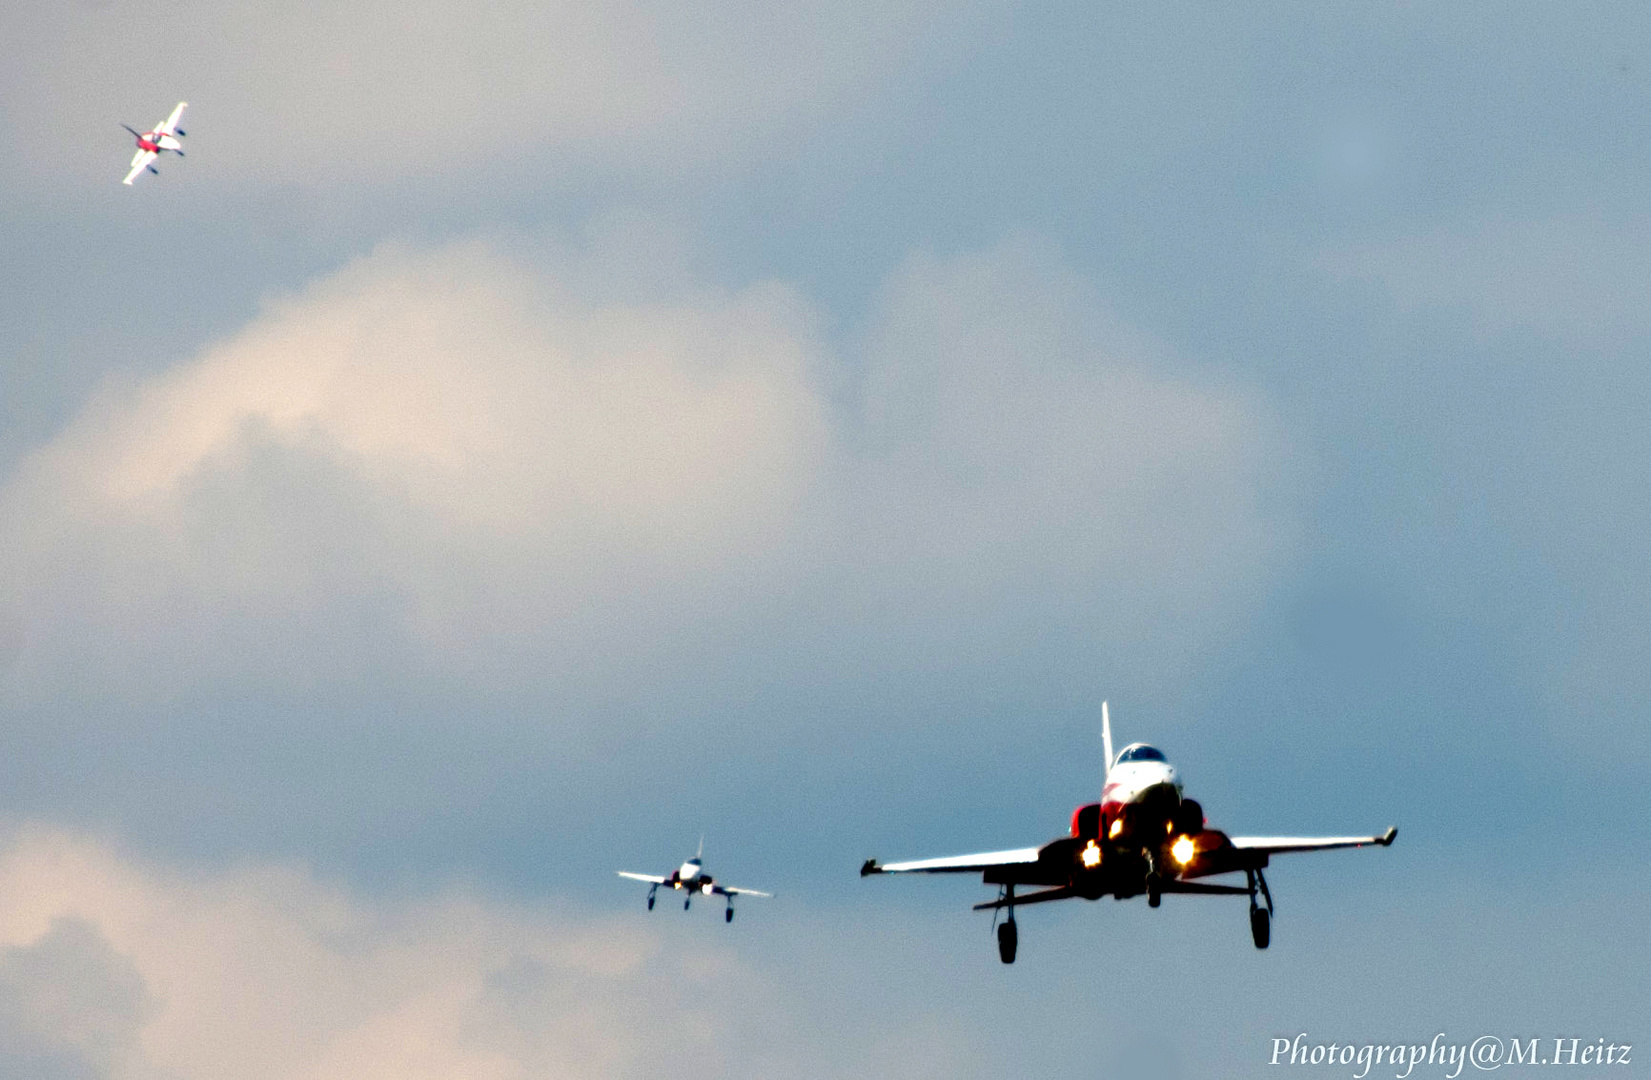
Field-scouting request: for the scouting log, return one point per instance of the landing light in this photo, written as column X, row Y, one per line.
column 1117, row 827
column 1183, row 850
column 1091, row 855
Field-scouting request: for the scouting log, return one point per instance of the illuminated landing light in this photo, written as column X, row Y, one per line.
column 1117, row 827
column 1091, row 856
column 1183, row 850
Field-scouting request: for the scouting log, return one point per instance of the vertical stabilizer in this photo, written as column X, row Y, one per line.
column 1106, row 742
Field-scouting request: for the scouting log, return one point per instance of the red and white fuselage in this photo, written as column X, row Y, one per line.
column 162, row 138
column 1141, row 777
column 156, row 141
column 1142, row 837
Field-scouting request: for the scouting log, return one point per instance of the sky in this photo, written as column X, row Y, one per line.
column 522, row 438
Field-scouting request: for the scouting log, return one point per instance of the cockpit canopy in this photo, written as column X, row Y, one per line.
column 1139, row 752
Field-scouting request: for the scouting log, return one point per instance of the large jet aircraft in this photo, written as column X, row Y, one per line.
column 151, row 144
column 1142, row 837
column 691, row 878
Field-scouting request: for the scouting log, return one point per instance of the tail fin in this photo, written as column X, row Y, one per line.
column 1106, row 742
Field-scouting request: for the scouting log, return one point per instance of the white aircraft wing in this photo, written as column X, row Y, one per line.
column 140, row 162
column 170, row 127
column 954, row 864
column 1282, row 845
column 729, row 890
column 651, row 879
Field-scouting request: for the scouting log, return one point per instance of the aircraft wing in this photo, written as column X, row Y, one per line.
column 140, row 162
column 729, row 890
column 651, row 879
column 955, row 864
column 170, row 127
column 1281, row 845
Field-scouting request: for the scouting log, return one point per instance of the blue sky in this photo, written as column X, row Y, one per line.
column 519, row 439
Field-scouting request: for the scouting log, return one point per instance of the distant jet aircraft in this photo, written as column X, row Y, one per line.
column 151, row 144
column 691, row 878
column 1142, row 837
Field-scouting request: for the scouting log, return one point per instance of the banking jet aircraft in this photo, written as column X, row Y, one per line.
column 691, row 878
column 1142, row 837
column 151, row 144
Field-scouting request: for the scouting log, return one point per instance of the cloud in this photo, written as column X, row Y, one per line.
column 70, row 1005
column 439, row 446
column 122, row 968
column 370, row 91
column 1578, row 277
column 461, row 511
column 114, row 968
column 1530, row 418
column 1026, row 448
column 475, row 456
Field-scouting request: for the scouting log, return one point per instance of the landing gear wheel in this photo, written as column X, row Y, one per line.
column 1155, row 892
column 650, row 903
column 1007, row 940
column 728, row 916
column 685, row 903
column 1261, row 926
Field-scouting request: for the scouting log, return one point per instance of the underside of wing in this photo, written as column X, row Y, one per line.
column 170, row 127
column 140, row 162
column 955, row 864
column 730, row 890
column 651, row 879
column 1281, row 845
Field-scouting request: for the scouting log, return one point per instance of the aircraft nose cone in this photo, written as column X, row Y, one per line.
column 1162, row 793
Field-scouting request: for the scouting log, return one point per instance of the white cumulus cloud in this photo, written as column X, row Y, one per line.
column 453, row 469
column 117, row 968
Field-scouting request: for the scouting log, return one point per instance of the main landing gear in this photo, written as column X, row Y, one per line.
column 728, row 916
column 1008, row 938
column 651, row 893
column 1261, row 918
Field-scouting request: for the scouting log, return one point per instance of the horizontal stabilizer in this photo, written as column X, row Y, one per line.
column 1061, row 893
column 1200, row 889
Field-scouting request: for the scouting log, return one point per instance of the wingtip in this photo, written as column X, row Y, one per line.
column 1387, row 837
column 870, row 867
